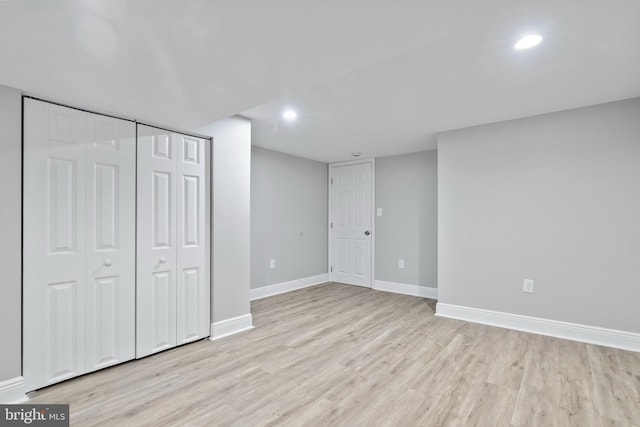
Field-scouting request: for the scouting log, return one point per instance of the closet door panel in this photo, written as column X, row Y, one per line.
column 54, row 244
column 110, row 219
column 193, row 285
column 156, row 249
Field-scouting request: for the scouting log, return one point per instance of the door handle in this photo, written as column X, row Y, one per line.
column 162, row 260
column 107, row 263
column 366, row 233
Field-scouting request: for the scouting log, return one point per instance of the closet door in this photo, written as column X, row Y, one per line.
column 110, row 241
column 193, row 287
column 173, row 288
column 156, row 231
column 54, row 244
column 79, row 248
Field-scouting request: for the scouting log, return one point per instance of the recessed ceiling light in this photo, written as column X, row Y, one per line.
column 528, row 41
column 290, row 115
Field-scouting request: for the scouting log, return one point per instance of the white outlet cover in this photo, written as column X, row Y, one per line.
column 272, row 264
column 401, row 263
column 527, row 286
column 379, row 212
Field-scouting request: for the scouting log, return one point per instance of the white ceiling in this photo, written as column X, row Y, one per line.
column 379, row 77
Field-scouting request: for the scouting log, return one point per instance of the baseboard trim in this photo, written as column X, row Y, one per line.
column 231, row 326
column 293, row 285
column 553, row 328
column 402, row 288
column 12, row 391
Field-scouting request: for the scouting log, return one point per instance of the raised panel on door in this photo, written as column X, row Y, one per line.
column 193, row 286
column 110, row 221
column 103, row 340
column 156, row 241
column 162, row 328
column 54, row 279
column 351, row 203
column 63, row 332
column 342, row 257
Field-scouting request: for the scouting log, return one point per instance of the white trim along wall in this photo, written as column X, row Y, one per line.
column 553, row 328
column 234, row 325
column 281, row 288
column 12, row 391
column 403, row 288
column 378, row 285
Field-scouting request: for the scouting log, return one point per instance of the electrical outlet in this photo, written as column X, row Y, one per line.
column 400, row 263
column 527, row 286
column 379, row 212
column 272, row 264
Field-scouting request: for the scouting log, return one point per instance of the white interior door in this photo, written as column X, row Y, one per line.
column 351, row 233
column 110, row 241
column 156, row 276
column 78, row 213
column 54, row 244
column 173, row 293
column 193, row 288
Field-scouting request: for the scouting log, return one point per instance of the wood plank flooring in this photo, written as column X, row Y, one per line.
column 343, row 355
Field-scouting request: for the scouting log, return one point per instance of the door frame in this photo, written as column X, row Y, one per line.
column 372, row 162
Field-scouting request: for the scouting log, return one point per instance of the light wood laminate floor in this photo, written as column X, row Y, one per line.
column 343, row 355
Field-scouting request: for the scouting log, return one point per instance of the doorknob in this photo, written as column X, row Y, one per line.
column 107, row 263
column 366, row 233
column 162, row 260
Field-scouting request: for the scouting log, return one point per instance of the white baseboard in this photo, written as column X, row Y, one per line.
column 402, row 288
column 231, row 326
column 553, row 328
column 12, row 391
column 281, row 288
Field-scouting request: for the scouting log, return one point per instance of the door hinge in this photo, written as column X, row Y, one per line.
column 331, row 269
column 332, row 225
column 331, row 181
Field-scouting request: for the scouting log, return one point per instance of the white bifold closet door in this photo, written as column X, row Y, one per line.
column 173, row 286
column 79, row 247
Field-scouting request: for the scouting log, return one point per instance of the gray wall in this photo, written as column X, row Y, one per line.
column 231, row 176
column 554, row 198
column 10, row 226
column 288, row 217
column 406, row 190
